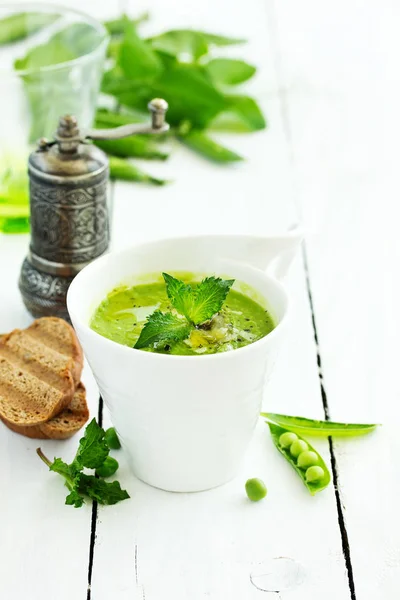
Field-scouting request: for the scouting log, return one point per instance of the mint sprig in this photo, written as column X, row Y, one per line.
column 92, row 452
column 163, row 327
column 197, row 304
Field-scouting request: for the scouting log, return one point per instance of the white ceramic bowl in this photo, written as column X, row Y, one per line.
column 184, row 421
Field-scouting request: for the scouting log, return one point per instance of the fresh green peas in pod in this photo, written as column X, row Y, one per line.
column 307, row 459
column 302, row 457
column 298, row 447
column 314, row 474
column 287, row 439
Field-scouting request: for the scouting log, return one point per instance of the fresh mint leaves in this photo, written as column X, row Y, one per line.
column 163, row 327
column 180, row 66
column 93, row 449
column 92, row 453
column 198, row 304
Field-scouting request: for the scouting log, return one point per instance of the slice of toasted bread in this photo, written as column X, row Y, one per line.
column 39, row 370
column 61, row 427
column 58, row 335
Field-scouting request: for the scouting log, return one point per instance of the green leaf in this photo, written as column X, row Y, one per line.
column 182, row 295
column 182, row 43
column 117, row 26
column 163, row 327
column 189, row 44
column 210, row 296
column 319, row 428
column 101, row 491
column 74, row 498
column 60, row 467
column 229, row 71
column 124, row 170
column 221, row 40
column 190, row 94
column 230, row 122
column 136, row 58
column 93, row 448
column 21, row 25
column 247, row 110
column 198, row 304
column 200, row 142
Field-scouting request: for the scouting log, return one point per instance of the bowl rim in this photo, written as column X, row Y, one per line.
column 160, row 356
column 21, row 7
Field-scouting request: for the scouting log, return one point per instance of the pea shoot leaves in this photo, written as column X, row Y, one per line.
column 92, row 452
column 198, row 304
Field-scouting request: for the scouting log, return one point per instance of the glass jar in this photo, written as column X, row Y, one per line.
column 51, row 62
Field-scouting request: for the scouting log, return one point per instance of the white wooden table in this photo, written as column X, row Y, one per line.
column 329, row 84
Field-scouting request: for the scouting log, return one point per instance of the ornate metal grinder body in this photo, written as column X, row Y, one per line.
column 69, row 211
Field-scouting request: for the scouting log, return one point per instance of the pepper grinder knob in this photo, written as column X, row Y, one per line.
column 158, row 108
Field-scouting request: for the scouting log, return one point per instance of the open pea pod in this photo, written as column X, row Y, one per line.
column 304, row 459
column 319, row 428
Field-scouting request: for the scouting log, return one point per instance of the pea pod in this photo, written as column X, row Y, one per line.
column 314, row 473
column 135, row 146
column 319, row 428
column 126, row 171
column 198, row 141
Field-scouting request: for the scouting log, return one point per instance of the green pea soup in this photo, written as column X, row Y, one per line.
column 123, row 313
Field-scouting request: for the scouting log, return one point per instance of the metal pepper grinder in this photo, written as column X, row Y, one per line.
column 68, row 180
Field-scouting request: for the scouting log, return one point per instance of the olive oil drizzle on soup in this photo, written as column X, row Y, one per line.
column 122, row 315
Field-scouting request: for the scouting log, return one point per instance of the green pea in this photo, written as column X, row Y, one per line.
column 314, row 474
column 287, row 439
column 112, row 439
column 298, row 447
column 108, row 468
column 255, row 489
column 307, row 459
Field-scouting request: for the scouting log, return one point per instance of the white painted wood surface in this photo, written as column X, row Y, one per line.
column 329, row 86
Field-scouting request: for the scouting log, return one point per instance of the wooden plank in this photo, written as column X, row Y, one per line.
column 344, row 126
column 160, row 545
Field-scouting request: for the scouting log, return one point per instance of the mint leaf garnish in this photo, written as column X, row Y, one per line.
column 92, row 452
column 210, row 295
column 201, row 303
column 163, row 327
column 101, row 491
column 93, row 448
column 198, row 304
column 75, row 499
column 181, row 295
